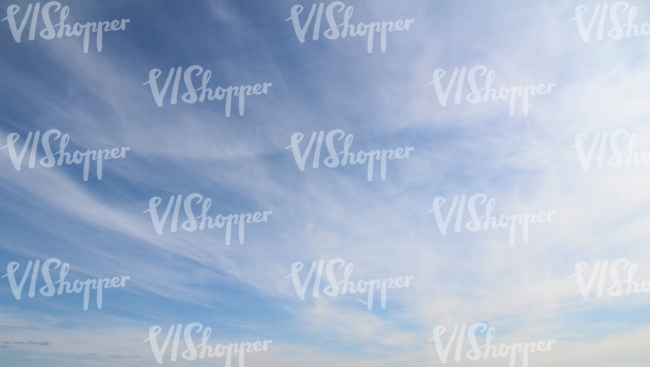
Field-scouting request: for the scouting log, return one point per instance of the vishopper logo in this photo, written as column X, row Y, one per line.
column 475, row 353
column 617, row 289
column 475, row 224
column 525, row 92
column 191, row 224
column 333, row 160
column 48, row 290
column 99, row 155
column 49, row 32
column 191, row 353
column 618, row 158
column 333, row 31
column 190, row 97
column 615, row 33
column 333, row 289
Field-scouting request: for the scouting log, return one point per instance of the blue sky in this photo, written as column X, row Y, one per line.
column 381, row 226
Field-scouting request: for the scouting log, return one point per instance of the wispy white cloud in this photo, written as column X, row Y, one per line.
column 525, row 163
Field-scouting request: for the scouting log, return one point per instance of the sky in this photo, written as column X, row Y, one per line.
column 527, row 290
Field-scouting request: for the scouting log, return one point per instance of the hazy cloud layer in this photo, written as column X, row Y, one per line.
column 386, row 228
